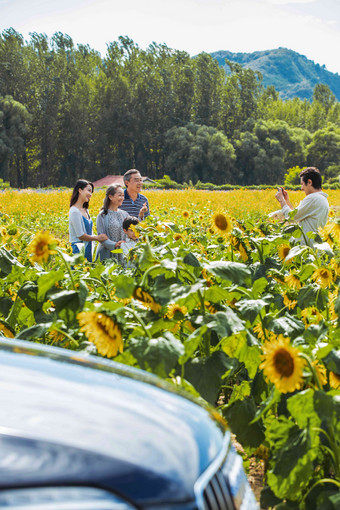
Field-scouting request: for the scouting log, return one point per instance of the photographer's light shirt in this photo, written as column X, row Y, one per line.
column 312, row 211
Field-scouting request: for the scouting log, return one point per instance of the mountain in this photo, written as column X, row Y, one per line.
column 292, row 74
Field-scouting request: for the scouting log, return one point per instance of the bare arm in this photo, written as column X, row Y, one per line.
column 100, row 238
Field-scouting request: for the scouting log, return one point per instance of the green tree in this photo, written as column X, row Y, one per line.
column 199, row 153
column 13, row 128
column 324, row 149
column 209, row 79
column 292, row 176
column 240, row 97
column 323, row 94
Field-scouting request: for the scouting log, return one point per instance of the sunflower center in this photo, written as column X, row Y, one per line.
column 41, row 248
column 324, row 273
column 221, row 222
column 284, row 363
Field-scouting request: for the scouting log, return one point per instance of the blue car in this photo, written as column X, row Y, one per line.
column 80, row 432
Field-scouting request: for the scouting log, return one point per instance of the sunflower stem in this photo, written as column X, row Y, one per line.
column 68, row 268
column 72, row 340
column 139, row 320
column 263, row 327
column 319, row 482
column 101, row 283
column 259, row 251
column 12, row 316
column 182, row 375
column 147, row 273
column 312, row 369
column 206, row 335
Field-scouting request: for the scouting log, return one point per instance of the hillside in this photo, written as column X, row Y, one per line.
column 292, row 74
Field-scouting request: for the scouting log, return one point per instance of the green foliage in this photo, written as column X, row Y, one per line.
column 201, row 314
column 196, row 150
column 3, row 185
column 160, row 111
column 292, row 176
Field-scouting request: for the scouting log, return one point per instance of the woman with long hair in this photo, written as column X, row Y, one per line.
column 80, row 223
column 110, row 222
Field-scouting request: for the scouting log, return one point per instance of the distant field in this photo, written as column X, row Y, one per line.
column 239, row 203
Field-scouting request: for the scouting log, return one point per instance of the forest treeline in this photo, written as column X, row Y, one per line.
column 66, row 112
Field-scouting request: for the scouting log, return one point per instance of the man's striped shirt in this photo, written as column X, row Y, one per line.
column 133, row 207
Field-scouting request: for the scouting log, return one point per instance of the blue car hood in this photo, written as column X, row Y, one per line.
column 124, row 426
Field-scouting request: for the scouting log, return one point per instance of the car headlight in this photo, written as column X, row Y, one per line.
column 61, row 498
column 241, row 493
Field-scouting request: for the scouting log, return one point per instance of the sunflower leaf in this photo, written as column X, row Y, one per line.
column 224, row 323
column 291, row 464
column 332, row 361
column 159, row 354
column 250, row 308
column 206, row 374
column 34, row 332
column 147, row 258
column 124, row 286
column 240, row 415
column 226, row 270
column 29, row 294
column 287, row 326
column 47, row 281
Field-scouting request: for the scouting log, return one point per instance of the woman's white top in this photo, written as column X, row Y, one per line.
column 76, row 225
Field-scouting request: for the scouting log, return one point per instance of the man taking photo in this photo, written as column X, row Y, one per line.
column 312, row 212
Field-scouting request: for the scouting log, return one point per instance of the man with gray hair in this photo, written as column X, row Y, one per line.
column 135, row 204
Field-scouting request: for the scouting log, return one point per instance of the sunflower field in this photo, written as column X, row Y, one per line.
column 219, row 299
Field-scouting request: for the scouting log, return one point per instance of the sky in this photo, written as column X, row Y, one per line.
column 309, row 27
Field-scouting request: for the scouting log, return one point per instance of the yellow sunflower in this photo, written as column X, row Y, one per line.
column 333, row 229
column 3, row 234
column 178, row 236
column 102, row 331
column 293, row 281
column 207, row 277
column 323, row 277
column 4, row 331
column 289, row 303
column 325, row 236
column 283, row 251
column 146, row 299
column 188, row 325
column 321, row 372
column 240, row 248
column 221, row 223
column 258, row 329
column 56, row 336
column 311, row 315
column 335, row 267
column 186, row 215
column 282, row 364
column 210, row 307
column 243, row 253
column 134, row 230
column 331, row 299
column 41, row 247
column 334, row 380
column 175, row 309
